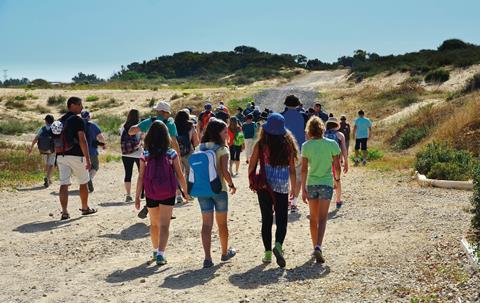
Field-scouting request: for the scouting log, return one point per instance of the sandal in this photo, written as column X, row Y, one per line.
column 65, row 216
column 88, row 211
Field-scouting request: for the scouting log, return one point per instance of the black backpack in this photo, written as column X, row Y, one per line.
column 185, row 144
column 45, row 141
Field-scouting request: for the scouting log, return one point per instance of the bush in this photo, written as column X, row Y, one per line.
column 461, row 162
column 18, row 127
column 437, row 76
column 12, row 104
column 92, row 98
column 476, row 203
column 175, row 97
column 41, row 109
column 57, row 100
column 151, row 102
column 235, row 103
column 411, row 137
column 473, row 84
column 106, row 104
column 372, row 154
column 108, row 123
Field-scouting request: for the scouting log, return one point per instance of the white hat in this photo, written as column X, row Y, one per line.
column 162, row 106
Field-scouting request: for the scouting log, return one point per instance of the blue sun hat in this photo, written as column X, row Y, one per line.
column 275, row 125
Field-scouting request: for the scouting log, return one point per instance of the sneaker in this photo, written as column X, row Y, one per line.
column 128, row 199
column 207, row 263
column 319, row 255
column 143, row 213
column 294, row 209
column 278, row 252
column 339, row 204
column 230, row 254
column 356, row 162
column 154, row 257
column 161, row 260
column 267, row 257
column 46, row 183
column 179, row 200
column 364, row 162
column 90, row 186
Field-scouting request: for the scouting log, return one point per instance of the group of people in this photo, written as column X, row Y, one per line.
column 181, row 157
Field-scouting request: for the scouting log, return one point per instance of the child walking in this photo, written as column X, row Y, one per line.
column 236, row 142
column 159, row 171
column 277, row 152
column 318, row 155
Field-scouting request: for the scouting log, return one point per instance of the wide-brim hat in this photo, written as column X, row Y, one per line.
column 332, row 120
column 275, row 125
column 163, row 106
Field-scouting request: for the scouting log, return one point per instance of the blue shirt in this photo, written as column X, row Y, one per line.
column 362, row 124
column 92, row 132
column 249, row 130
column 295, row 122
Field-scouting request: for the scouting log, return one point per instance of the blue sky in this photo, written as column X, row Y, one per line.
column 56, row 39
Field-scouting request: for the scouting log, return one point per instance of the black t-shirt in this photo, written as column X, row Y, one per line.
column 73, row 124
column 222, row 116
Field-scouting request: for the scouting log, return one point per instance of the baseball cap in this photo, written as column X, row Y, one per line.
column 162, row 106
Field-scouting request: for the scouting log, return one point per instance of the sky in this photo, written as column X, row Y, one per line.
column 56, row 39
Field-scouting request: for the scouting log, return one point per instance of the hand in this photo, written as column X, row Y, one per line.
column 305, row 196
column 188, row 198
column 137, row 202
column 233, row 190
column 104, row 146
column 88, row 165
column 345, row 167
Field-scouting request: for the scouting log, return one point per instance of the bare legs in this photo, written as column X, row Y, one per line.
column 318, row 220
column 64, row 197
column 160, row 226
column 207, row 227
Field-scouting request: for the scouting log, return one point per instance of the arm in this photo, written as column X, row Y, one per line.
column 101, row 139
column 293, row 175
column 304, row 179
column 370, row 132
column 134, row 130
column 355, row 132
column 343, row 148
column 174, row 143
column 29, row 150
column 84, row 147
column 181, row 178
column 195, row 138
column 337, row 166
column 253, row 161
column 139, row 184
column 226, row 175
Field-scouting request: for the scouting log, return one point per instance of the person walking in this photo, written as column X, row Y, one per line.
column 240, row 115
column 362, row 132
column 73, row 157
column 236, row 143
column 250, row 133
column 132, row 150
column 205, row 117
column 95, row 138
column 159, row 171
column 318, row 155
column 215, row 139
column 320, row 113
column 46, row 147
column 277, row 152
column 295, row 121
column 334, row 134
column 345, row 129
column 220, row 113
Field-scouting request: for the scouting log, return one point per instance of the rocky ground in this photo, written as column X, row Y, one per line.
column 392, row 242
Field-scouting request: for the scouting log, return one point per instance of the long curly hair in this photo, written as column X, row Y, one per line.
column 315, row 128
column 157, row 140
column 282, row 148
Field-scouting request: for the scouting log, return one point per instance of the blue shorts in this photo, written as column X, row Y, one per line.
column 219, row 203
column 320, row 192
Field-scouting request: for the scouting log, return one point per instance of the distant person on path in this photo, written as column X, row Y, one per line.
column 215, row 139
column 163, row 114
column 250, row 132
column 345, row 129
column 332, row 133
column 205, row 117
column 240, row 115
column 318, row 155
column 221, row 114
column 250, row 108
column 95, row 138
column 236, row 143
column 46, row 147
column 295, row 121
column 132, row 150
column 320, row 113
column 277, row 152
column 362, row 131
column 159, row 171
column 73, row 157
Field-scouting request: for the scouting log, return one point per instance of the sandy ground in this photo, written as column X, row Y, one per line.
column 392, row 242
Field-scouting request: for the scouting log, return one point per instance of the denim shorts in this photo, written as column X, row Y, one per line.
column 219, row 203
column 320, row 192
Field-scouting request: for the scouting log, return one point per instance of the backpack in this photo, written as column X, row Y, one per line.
column 61, row 142
column 332, row 135
column 185, row 144
column 45, row 142
column 129, row 144
column 159, row 180
column 239, row 139
column 203, row 180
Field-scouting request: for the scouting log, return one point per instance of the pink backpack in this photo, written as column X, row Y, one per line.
column 159, row 180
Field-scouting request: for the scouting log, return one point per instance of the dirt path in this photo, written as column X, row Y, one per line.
column 392, row 241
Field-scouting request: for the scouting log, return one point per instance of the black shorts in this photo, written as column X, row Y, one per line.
column 361, row 144
column 235, row 152
column 155, row 203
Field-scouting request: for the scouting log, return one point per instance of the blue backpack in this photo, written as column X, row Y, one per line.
column 203, row 180
column 332, row 135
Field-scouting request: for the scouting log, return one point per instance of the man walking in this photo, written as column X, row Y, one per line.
column 362, row 131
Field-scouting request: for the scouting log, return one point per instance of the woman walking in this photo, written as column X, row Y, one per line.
column 236, row 143
column 277, row 152
column 215, row 139
column 318, row 155
column 159, row 171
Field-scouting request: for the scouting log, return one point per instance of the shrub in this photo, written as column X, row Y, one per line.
column 18, row 127
column 57, row 100
column 41, row 109
column 106, row 104
column 447, row 171
column 92, row 98
column 435, row 153
column 21, row 98
column 235, row 103
column 473, row 84
column 151, row 102
column 175, row 97
column 411, row 137
column 476, row 204
column 408, row 100
column 12, row 104
column 437, row 76
column 17, row 167
column 108, row 123
column 372, row 154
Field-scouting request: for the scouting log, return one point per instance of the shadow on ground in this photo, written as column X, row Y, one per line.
column 44, row 226
column 191, row 278
column 74, row 192
column 143, row 270
column 258, row 276
column 114, row 204
column 34, row 188
column 135, row 231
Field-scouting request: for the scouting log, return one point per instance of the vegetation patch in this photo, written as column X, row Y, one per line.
column 109, row 123
column 57, row 100
column 437, row 76
column 236, row 103
column 372, row 155
column 15, row 104
column 473, row 84
column 111, row 103
column 411, row 137
column 17, row 127
column 92, row 98
column 151, row 102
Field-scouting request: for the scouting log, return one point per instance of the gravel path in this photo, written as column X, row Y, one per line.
column 392, row 242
